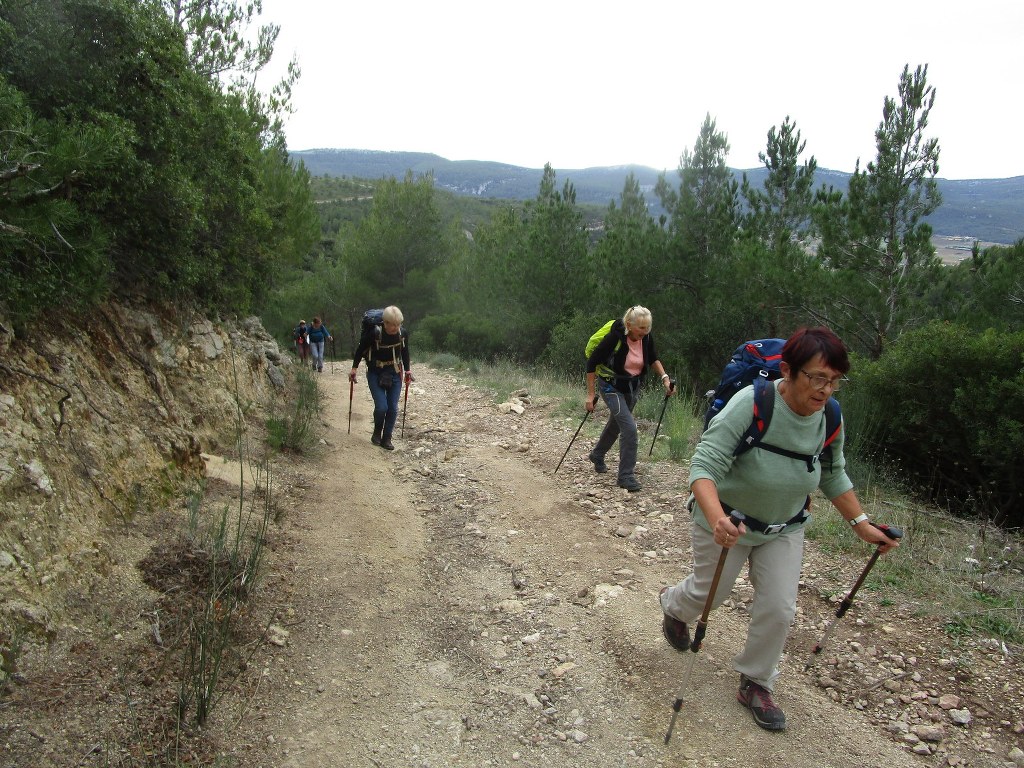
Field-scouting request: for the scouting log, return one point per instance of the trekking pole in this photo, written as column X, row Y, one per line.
column 664, row 405
column 351, row 391
column 334, row 356
column 405, row 404
column 702, row 625
column 585, row 415
column 893, row 533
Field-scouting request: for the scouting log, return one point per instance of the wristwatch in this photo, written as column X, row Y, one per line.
column 858, row 519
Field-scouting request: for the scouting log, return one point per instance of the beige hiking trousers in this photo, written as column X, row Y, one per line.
column 774, row 570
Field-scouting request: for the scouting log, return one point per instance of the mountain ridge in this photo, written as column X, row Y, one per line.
column 987, row 210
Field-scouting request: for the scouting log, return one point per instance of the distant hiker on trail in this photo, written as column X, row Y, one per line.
column 616, row 367
column 301, row 337
column 384, row 343
column 318, row 335
column 771, row 485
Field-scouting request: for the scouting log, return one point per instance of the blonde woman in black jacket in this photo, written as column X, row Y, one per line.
column 615, row 369
column 386, row 350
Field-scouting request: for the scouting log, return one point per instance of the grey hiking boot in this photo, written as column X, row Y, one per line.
column 758, row 700
column 676, row 632
column 599, row 466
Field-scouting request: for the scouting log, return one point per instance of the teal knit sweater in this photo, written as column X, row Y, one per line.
column 760, row 483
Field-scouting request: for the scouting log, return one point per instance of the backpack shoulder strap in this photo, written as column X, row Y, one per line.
column 833, row 420
column 617, row 331
column 833, row 425
column 764, row 406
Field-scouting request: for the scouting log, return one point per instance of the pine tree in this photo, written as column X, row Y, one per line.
column 876, row 241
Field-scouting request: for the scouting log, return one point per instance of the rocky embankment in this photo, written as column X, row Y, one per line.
column 101, row 417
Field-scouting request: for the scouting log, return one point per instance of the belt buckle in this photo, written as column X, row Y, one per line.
column 774, row 528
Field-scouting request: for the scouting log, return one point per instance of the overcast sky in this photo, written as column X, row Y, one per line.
column 582, row 83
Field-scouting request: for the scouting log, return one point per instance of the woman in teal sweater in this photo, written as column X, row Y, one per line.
column 773, row 492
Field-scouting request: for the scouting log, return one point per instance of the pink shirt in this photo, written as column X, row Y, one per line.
column 635, row 357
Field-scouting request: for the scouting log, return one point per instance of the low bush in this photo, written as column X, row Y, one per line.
column 296, row 431
column 944, row 407
column 465, row 335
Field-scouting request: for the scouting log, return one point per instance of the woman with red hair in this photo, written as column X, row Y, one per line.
column 772, row 488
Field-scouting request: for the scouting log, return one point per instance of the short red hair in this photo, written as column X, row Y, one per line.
column 806, row 343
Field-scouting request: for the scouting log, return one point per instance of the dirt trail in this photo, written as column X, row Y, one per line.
column 456, row 604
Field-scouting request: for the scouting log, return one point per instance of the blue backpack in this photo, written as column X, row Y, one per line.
column 757, row 362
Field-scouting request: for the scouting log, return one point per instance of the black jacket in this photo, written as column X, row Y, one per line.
column 608, row 356
column 389, row 350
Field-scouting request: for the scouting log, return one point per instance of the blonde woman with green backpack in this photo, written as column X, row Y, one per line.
column 616, row 367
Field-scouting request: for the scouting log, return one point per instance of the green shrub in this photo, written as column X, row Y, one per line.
column 447, row 361
column 297, row 431
column 566, row 348
column 464, row 335
column 945, row 407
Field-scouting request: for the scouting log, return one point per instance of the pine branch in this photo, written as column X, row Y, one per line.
column 21, row 169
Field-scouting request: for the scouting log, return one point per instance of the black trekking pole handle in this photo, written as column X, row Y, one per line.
column 664, row 405
column 735, row 518
column 585, row 415
column 893, row 533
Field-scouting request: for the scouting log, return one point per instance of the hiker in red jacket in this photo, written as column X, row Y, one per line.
column 301, row 337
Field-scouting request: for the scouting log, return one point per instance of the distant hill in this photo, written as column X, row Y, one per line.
column 989, row 210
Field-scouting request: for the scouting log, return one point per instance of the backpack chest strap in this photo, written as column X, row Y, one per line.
column 809, row 459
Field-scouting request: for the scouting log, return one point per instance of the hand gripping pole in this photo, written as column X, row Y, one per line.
column 702, row 625
column 664, row 405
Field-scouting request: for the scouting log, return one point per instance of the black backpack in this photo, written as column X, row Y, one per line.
column 757, row 362
column 373, row 327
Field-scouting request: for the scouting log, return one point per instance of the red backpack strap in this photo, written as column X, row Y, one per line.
column 764, row 406
column 833, row 420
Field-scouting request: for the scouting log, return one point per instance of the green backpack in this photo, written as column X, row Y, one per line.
column 603, row 369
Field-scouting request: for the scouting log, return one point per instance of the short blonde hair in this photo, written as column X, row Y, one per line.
column 393, row 315
column 637, row 316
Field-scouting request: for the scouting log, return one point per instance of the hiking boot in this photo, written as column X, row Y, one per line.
column 599, row 466
column 676, row 633
column 758, row 700
column 376, row 438
column 386, row 444
column 630, row 484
